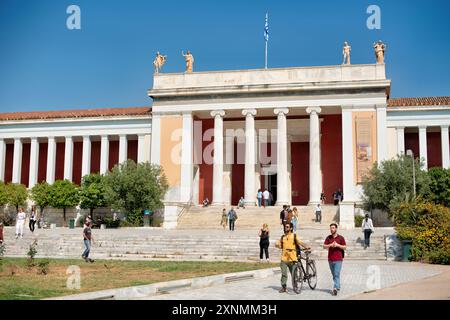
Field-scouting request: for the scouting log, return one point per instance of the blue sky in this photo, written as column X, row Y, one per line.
column 108, row 63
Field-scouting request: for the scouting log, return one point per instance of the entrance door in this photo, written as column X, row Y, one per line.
column 269, row 182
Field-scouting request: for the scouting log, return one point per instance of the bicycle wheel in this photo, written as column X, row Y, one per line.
column 311, row 273
column 297, row 278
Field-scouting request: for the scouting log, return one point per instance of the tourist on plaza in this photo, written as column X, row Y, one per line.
column 1, row 232
column 367, row 228
column 322, row 198
column 270, row 199
column 206, row 202
column 88, row 220
column 294, row 218
column 288, row 243
column 87, row 240
column 224, row 221
column 335, row 198
column 33, row 218
column 264, row 242
column 290, row 215
column 259, row 196
column 20, row 222
column 266, row 196
column 232, row 217
column 340, row 195
column 283, row 215
column 336, row 246
column 318, row 213
column 241, row 203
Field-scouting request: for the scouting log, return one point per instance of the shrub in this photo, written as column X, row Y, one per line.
column 440, row 256
column 32, row 251
column 43, row 266
column 358, row 220
column 111, row 223
column 440, row 185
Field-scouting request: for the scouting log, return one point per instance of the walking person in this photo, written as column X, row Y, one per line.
column 33, row 218
column 294, row 218
column 283, row 215
column 87, row 240
column 259, row 196
column 335, row 243
column 335, row 198
column 232, row 217
column 224, row 220
column 318, row 213
column 322, row 198
column 288, row 243
column 20, row 222
column 1, row 232
column 367, row 228
column 266, row 196
column 264, row 242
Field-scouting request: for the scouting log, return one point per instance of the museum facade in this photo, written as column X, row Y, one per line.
column 222, row 135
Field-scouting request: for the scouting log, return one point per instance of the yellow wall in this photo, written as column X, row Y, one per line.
column 170, row 145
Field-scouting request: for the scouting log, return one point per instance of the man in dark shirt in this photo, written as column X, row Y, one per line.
column 283, row 216
column 87, row 239
column 336, row 245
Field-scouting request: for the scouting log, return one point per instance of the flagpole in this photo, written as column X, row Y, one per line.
column 266, row 57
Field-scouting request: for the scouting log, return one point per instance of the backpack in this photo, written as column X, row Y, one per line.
column 297, row 247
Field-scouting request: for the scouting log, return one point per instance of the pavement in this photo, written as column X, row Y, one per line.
column 357, row 277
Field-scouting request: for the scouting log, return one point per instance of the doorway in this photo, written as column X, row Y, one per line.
column 269, row 182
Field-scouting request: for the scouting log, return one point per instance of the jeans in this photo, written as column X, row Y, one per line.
column 266, row 202
column 319, row 216
column 259, row 202
column 367, row 233
column 87, row 244
column 231, row 225
column 285, row 266
column 294, row 224
column 335, row 267
column 264, row 249
column 31, row 225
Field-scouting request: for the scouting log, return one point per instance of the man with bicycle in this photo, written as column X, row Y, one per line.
column 288, row 243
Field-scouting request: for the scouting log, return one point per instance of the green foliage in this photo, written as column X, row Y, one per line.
column 358, row 220
column 440, row 185
column 32, row 251
column 43, row 266
column 390, row 184
column 64, row 194
column 17, row 194
column 3, row 194
column 40, row 194
column 132, row 187
column 428, row 226
column 92, row 192
column 111, row 223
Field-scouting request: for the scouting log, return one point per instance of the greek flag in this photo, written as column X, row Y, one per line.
column 266, row 28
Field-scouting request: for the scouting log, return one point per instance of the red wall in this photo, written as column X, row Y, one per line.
column 205, row 185
column 300, row 172
column 113, row 154
column 434, row 151
column 331, row 154
column 237, row 176
column 95, row 156
column 25, row 172
column 412, row 142
column 132, row 150
column 77, row 162
column 59, row 167
column 9, row 162
column 42, row 169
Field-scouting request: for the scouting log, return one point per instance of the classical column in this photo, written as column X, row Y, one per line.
column 123, row 145
column 141, row 148
column 400, row 140
column 2, row 159
column 282, row 169
column 423, row 145
column 218, row 157
column 17, row 161
column 250, row 157
column 68, row 158
column 51, row 160
column 86, row 162
column 187, row 169
column 382, row 150
column 156, row 136
column 104, row 154
column 315, row 174
column 445, row 147
column 34, row 162
column 348, row 170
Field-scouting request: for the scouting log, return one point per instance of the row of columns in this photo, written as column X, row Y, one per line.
column 423, row 144
column 68, row 157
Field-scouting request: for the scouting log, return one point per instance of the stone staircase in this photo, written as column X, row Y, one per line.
column 158, row 244
column 198, row 217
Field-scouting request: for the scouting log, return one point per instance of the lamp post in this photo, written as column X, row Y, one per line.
column 411, row 154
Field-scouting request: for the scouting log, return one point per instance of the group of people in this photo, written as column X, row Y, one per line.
column 265, row 198
column 228, row 218
column 21, row 218
column 288, row 215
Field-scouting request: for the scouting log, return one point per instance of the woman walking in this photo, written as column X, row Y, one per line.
column 224, row 220
column 33, row 218
column 264, row 242
column 20, row 221
column 367, row 227
column 294, row 218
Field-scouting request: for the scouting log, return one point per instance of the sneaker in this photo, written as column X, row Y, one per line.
column 261, row 260
column 283, row 290
column 334, row 293
column 91, row 260
column 267, row 260
column 296, row 290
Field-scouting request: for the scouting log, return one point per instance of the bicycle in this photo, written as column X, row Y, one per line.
column 301, row 274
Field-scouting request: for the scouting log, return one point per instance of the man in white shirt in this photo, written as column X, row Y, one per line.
column 266, row 196
column 318, row 213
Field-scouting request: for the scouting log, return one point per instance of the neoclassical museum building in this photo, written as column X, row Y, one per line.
column 223, row 135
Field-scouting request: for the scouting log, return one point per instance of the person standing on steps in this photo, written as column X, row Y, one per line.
column 232, row 217
column 20, row 222
column 1, row 232
column 318, row 213
column 87, row 240
column 266, row 196
column 259, row 196
column 223, row 223
column 367, row 228
column 33, row 218
column 294, row 218
column 264, row 242
column 283, row 216
column 335, row 243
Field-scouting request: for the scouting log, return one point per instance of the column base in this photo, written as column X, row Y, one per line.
column 314, row 202
column 347, row 215
column 251, row 203
column 217, row 204
column 281, row 203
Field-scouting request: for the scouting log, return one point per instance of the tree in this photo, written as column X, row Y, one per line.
column 440, row 185
column 3, row 194
column 64, row 194
column 92, row 192
column 391, row 183
column 17, row 194
column 40, row 194
column 133, row 188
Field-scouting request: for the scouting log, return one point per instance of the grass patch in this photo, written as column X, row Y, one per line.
column 19, row 282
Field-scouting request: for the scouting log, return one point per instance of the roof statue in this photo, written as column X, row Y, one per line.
column 379, row 47
column 346, row 53
column 159, row 62
column 189, row 61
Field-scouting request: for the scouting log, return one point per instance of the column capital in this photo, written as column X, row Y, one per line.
column 400, row 127
column 381, row 106
column 68, row 137
column 87, row 137
column 104, row 137
column 215, row 113
column 313, row 110
column 281, row 111
column 444, row 127
column 186, row 113
column 249, row 112
column 422, row 127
